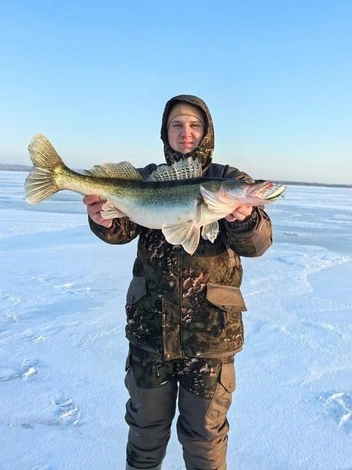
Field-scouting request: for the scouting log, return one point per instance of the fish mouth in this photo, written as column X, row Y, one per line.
column 274, row 192
column 268, row 191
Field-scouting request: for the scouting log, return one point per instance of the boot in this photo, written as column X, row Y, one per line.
column 158, row 467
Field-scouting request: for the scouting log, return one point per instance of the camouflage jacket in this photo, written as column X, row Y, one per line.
column 180, row 305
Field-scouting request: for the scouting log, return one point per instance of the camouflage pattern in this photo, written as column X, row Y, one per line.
column 198, row 376
column 180, row 306
column 202, row 389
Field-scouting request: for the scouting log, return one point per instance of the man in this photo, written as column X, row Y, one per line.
column 184, row 313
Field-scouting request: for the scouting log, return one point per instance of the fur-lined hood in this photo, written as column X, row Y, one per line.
column 205, row 150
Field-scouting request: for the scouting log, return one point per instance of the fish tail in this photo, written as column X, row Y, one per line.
column 43, row 181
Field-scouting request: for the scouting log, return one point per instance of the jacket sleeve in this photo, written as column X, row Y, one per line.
column 122, row 231
column 250, row 237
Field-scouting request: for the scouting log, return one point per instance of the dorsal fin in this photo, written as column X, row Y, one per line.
column 121, row 171
column 184, row 169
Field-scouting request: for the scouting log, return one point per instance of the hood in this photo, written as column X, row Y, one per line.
column 205, row 150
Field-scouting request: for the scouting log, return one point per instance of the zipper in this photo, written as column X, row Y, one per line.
column 180, row 281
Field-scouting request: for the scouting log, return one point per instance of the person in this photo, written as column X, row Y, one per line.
column 184, row 312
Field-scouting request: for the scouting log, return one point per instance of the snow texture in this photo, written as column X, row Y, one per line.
column 62, row 344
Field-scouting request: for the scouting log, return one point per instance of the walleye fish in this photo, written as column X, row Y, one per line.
column 175, row 199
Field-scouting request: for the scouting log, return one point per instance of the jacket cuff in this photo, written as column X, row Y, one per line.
column 245, row 225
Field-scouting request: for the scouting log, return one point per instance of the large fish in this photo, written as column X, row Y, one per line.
column 175, row 199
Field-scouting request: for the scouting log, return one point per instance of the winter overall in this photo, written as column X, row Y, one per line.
column 203, row 388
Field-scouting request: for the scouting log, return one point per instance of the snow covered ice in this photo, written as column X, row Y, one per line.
column 62, row 344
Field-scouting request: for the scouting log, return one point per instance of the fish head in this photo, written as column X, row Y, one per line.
column 256, row 193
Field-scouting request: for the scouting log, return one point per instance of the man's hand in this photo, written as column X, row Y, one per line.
column 240, row 213
column 94, row 207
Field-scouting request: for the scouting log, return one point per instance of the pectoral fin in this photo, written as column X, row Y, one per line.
column 210, row 231
column 186, row 235
column 110, row 211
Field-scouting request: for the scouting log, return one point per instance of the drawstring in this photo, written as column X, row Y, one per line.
column 232, row 260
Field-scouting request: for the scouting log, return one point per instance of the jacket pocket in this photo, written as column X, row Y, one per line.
column 137, row 289
column 226, row 297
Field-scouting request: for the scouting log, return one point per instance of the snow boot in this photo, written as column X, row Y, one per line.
column 158, row 467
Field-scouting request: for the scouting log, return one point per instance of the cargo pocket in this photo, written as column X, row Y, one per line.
column 130, row 383
column 228, row 377
column 137, row 289
column 226, row 297
column 222, row 399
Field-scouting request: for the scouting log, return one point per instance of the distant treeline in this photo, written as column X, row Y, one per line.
column 300, row 183
column 13, row 167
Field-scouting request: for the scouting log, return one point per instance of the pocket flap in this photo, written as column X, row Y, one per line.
column 225, row 297
column 228, row 377
column 137, row 289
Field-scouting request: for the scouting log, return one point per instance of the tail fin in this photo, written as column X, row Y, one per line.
column 41, row 182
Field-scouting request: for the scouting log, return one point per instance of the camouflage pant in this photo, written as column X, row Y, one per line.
column 203, row 388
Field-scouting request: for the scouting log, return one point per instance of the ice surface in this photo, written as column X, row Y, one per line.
column 62, row 344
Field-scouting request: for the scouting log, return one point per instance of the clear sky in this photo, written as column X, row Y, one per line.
column 94, row 78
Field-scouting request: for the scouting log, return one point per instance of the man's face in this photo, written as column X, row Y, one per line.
column 185, row 133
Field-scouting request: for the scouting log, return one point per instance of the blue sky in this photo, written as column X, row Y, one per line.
column 94, row 78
